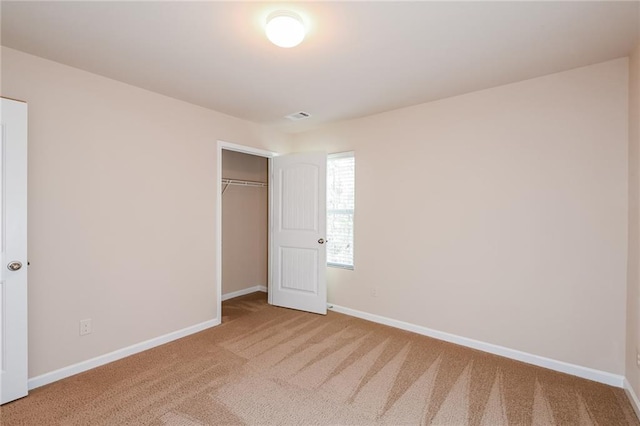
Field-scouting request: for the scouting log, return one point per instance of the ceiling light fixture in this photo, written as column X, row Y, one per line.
column 285, row 29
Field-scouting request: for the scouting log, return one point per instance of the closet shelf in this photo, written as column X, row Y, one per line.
column 238, row 182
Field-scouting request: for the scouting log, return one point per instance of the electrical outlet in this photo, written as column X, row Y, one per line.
column 374, row 291
column 638, row 357
column 85, row 326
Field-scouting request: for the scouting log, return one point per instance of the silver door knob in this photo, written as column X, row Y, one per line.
column 321, row 241
column 14, row 266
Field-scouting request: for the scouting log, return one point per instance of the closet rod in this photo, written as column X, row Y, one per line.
column 238, row 182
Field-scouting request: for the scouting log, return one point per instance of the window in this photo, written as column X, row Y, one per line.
column 340, row 205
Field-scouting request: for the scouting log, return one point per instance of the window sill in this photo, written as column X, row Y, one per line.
column 337, row 265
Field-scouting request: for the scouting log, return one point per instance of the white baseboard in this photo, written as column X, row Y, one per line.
column 633, row 398
column 244, row 291
column 552, row 364
column 80, row 367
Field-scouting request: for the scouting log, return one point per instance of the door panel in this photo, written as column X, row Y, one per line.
column 299, row 270
column 299, row 202
column 13, row 250
column 298, row 232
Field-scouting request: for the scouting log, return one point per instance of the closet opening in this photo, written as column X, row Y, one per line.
column 243, row 251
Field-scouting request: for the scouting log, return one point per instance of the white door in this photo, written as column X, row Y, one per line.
column 298, row 254
column 13, row 250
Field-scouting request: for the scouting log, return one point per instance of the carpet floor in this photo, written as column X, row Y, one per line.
column 266, row 365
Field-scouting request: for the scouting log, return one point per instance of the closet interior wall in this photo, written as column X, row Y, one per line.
column 244, row 223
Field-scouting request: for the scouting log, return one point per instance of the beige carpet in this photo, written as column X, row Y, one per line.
column 268, row 365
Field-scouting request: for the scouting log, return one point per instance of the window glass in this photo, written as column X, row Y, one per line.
column 340, row 209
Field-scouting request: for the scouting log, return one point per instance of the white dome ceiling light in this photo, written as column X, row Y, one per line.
column 285, row 29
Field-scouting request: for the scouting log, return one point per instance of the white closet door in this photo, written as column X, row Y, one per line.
column 13, row 251
column 298, row 253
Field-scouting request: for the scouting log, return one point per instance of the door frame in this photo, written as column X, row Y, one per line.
column 228, row 146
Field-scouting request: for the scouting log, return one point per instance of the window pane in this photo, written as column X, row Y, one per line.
column 340, row 246
column 340, row 173
column 340, row 207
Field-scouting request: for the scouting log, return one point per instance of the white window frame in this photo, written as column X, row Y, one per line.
column 340, row 265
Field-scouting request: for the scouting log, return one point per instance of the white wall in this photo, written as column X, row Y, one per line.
column 499, row 215
column 121, row 209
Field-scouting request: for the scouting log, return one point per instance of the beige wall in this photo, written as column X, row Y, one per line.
column 244, row 223
column 122, row 187
column 499, row 215
column 633, row 270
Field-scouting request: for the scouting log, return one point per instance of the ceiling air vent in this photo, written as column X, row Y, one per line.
column 298, row 116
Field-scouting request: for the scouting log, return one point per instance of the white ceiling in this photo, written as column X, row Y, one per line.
column 359, row 58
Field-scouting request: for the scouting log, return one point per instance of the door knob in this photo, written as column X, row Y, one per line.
column 14, row 266
column 321, row 241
